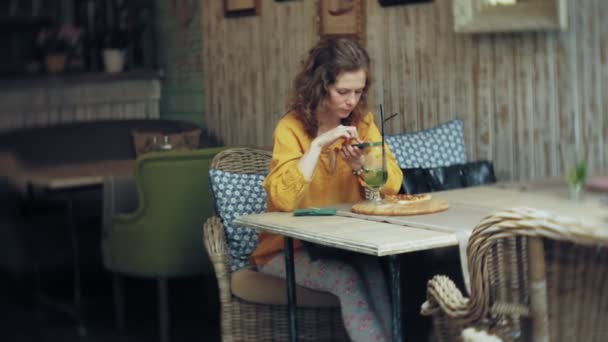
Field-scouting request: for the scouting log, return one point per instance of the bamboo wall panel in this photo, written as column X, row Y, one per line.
column 521, row 95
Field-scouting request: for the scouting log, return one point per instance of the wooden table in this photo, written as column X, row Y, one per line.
column 551, row 196
column 353, row 234
column 469, row 205
column 393, row 235
column 64, row 181
column 68, row 176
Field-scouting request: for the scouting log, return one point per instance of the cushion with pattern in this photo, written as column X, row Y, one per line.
column 238, row 194
column 442, row 145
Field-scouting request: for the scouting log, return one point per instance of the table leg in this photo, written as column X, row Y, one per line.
column 74, row 311
column 80, row 328
column 395, row 286
column 290, row 277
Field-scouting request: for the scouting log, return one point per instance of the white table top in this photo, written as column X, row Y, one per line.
column 550, row 196
column 364, row 236
column 458, row 217
column 69, row 176
column 385, row 235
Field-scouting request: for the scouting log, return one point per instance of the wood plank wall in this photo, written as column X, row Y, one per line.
column 518, row 94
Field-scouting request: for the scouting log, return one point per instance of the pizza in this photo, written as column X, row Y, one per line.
column 407, row 199
column 401, row 205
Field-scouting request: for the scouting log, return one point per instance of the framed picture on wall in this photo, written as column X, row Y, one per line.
column 482, row 16
column 239, row 8
column 341, row 18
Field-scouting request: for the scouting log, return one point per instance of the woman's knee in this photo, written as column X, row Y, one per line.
column 342, row 274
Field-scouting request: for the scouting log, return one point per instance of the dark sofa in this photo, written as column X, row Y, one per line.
column 87, row 141
column 34, row 234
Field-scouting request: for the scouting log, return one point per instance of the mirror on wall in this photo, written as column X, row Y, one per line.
column 479, row 16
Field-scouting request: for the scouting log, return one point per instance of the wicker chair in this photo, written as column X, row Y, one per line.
column 534, row 277
column 243, row 320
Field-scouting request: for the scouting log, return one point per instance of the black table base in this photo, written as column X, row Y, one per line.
column 395, row 289
column 73, row 309
column 291, row 290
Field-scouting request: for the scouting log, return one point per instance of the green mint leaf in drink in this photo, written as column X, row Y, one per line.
column 375, row 178
column 578, row 174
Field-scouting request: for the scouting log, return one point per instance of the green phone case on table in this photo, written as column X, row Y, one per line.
column 314, row 212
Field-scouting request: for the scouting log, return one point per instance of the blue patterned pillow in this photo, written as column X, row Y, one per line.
column 238, row 194
column 435, row 147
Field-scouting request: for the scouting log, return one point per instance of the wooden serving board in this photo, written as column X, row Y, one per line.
column 395, row 209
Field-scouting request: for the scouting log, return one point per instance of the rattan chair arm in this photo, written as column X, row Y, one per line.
column 215, row 244
column 444, row 296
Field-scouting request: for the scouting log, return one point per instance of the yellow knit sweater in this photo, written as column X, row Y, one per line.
column 332, row 181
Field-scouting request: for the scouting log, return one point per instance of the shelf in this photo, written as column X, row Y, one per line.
column 76, row 78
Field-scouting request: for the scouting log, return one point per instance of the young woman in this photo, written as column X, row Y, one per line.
column 315, row 164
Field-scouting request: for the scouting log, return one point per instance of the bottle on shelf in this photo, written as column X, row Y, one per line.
column 165, row 146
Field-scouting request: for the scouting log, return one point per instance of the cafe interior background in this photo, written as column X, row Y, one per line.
column 522, row 94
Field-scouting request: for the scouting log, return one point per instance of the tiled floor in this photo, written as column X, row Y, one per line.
column 192, row 301
column 194, row 310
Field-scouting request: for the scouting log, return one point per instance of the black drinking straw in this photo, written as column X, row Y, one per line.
column 382, row 133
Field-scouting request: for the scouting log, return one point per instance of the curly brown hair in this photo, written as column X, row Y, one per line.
column 325, row 62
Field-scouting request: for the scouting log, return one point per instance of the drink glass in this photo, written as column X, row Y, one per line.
column 575, row 169
column 374, row 169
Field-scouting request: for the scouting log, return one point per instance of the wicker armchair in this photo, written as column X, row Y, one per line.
column 534, row 277
column 243, row 320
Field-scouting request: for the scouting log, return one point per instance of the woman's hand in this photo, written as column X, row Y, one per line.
column 309, row 160
column 353, row 156
column 348, row 133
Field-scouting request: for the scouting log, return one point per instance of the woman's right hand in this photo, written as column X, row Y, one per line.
column 346, row 132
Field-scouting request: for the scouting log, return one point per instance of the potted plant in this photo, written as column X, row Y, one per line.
column 576, row 178
column 114, row 51
column 56, row 44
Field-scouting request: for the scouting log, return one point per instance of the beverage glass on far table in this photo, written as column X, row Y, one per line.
column 575, row 169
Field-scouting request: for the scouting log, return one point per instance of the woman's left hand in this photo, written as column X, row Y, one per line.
column 352, row 155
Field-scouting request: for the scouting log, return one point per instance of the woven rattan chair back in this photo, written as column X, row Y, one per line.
column 504, row 279
column 533, row 278
column 544, row 278
column 247, row 321
column 242, row 160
